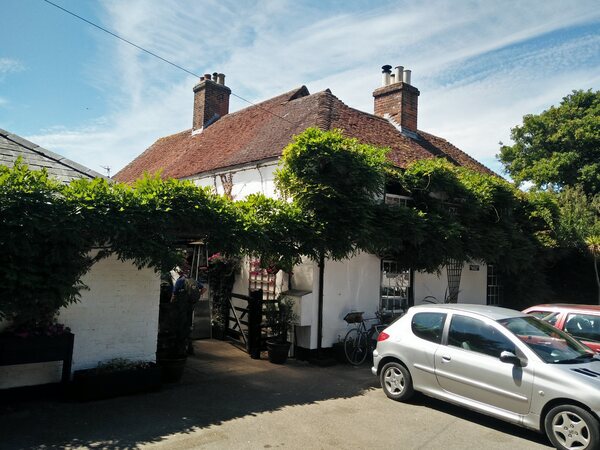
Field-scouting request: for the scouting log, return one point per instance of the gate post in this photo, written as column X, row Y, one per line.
column 255, row 314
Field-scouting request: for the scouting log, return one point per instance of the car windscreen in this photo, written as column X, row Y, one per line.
column 551, row 345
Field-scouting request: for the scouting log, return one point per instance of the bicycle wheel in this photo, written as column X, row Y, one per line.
column 355, row 347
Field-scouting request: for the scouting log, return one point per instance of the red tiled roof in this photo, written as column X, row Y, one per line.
column 256, row 134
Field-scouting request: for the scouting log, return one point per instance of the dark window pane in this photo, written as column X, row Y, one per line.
column 583, row 326
column 475, row 335
column 429, row 326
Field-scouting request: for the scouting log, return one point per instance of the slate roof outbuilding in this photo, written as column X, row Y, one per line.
column 37, row 158
column 261, row 132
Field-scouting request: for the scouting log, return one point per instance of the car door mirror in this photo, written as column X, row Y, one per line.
column 511, row 358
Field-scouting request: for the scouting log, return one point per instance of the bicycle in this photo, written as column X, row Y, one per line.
column 359, row 341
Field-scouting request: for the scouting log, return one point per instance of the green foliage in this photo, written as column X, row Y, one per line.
column 221, row 277
column 43, row 251
column 53, row 234
column 579, row 225
column 335, row 182
column 280, row 317
column 579, row 217
column 559, row 147
column 458, row 214
column 276, row 231
column 121, row 365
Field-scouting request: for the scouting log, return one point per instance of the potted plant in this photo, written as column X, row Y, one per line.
column 115, row 377
column 280, row 318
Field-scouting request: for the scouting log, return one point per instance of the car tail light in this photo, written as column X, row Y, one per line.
column 382, row 336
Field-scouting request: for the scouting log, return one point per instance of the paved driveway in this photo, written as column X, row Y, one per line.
column 228, row 401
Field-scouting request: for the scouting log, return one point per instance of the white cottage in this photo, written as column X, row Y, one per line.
column 116, row 318
column 237, row 154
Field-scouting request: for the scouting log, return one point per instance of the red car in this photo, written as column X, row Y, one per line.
column 581, row 321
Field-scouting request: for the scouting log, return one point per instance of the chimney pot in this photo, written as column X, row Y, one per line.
column 207, row 76
column 398, row 74
column 221, row 79
column 215, row 76
column 385, row 74
column 407, row 76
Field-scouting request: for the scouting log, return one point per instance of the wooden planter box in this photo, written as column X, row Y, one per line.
column 35, row 349
column 91, row 384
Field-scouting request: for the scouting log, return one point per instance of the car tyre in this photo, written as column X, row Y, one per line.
column 570, row 427
column 396, row 382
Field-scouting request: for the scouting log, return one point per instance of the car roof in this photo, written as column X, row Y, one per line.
column 491, row 312
column 564, row 307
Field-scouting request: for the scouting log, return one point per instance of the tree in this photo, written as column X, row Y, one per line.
column 335, row 181
column 559, row 147
column 593, row 245
column 579, row 224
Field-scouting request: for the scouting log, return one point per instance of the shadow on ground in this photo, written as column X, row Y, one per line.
column 481, row 419
column 221, row 383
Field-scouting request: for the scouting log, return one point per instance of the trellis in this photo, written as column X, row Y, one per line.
column 453, row 270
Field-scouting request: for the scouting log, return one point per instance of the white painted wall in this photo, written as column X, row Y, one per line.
column 472, row 289
column 116, row 318
column 246, row 180
column 350, row 285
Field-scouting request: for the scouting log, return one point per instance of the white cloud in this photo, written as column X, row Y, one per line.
column 9, row 65
column 269, row 47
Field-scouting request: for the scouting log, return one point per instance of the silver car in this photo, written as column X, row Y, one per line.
column 496, row 361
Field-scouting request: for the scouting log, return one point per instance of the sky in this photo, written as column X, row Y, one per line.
column 480, row 66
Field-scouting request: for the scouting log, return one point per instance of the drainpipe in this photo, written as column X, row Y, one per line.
column 320, row 299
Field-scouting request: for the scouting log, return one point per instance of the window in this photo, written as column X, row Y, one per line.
column 429, row 326
column 396, row 200
column 494, row 288
column 583, row 326
column 547, row 316
column 395, row 287
column 477, row 336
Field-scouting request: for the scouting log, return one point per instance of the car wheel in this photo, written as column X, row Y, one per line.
column 570, row 427
column 396, row 381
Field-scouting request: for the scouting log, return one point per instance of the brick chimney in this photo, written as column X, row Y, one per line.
column 211, row 101
column 396, row 100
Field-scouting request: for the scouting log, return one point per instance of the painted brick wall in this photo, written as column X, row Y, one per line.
column 116, row 318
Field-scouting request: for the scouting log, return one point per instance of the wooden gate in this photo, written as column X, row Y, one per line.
column 245, row 322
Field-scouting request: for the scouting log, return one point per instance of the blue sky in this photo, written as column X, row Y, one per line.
column 480, row 65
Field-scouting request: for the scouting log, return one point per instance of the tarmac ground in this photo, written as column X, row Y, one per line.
column 228, row 401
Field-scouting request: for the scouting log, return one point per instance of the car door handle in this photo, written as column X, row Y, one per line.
column 446, row 359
